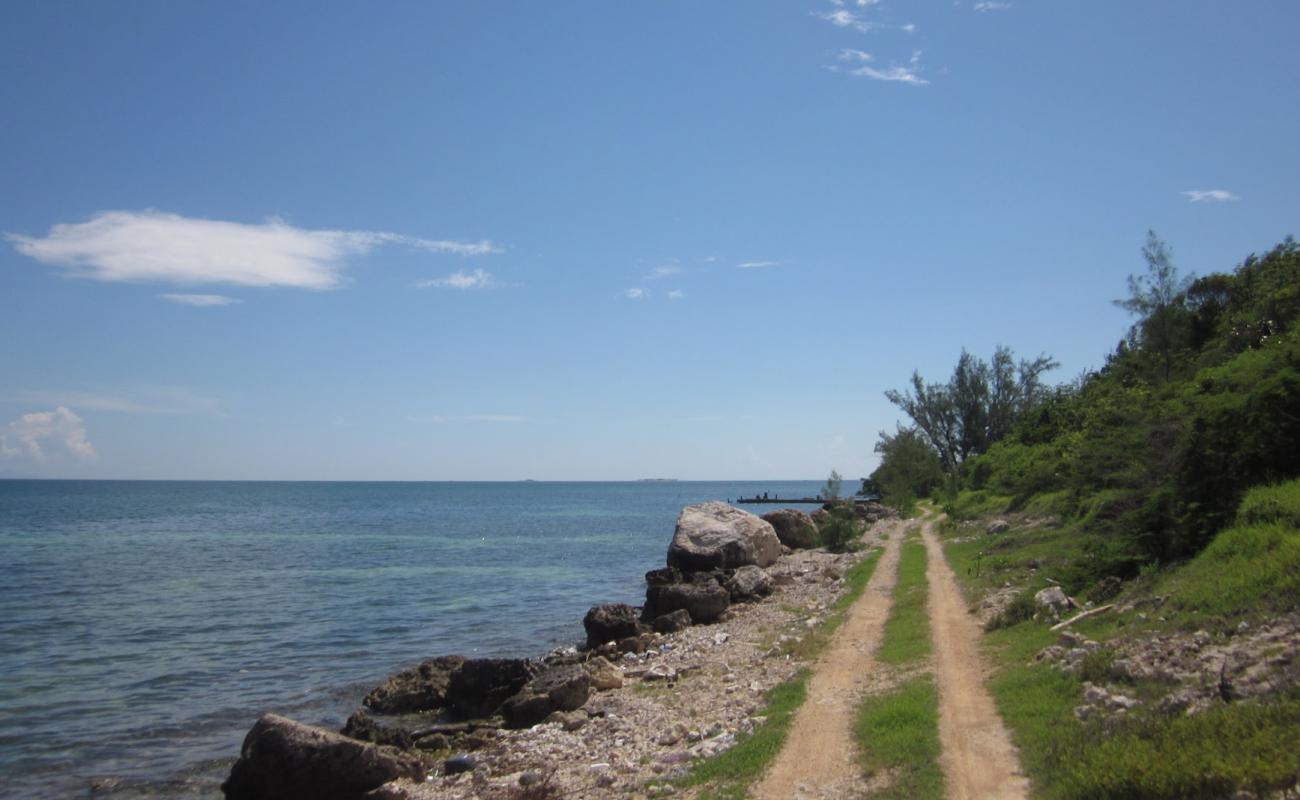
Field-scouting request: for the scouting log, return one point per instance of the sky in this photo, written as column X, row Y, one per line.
column 592, row 241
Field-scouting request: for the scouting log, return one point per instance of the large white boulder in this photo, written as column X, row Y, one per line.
column 718, row 536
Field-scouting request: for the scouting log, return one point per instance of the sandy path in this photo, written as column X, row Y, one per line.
column 819, row 759
column 978, row 757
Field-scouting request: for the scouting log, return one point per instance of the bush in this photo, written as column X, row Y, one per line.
column 840, row 533
column 1022, row 609
column 1263, row 504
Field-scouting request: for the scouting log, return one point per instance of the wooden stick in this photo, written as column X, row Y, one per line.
column 1089, row 613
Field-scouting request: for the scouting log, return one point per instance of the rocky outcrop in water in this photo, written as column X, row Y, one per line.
column 793, row 527
column 718, row 536
column 419, row 688
column 286, row 760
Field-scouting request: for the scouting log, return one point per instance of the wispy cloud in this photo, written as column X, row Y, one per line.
column 170, row 400
column 154, row 246
column 29, row 435
column 757, row 264
column 909, row 73
column 460, row 279
column 676, row 294
column 992, row 5
column 200, row 300
column 843, row 18
column 1209, row 196
column 661, row 272
column 635, row 293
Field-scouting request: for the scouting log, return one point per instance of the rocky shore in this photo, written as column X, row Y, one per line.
column 653, row 688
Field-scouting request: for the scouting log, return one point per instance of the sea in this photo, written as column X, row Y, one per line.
column 145, row 625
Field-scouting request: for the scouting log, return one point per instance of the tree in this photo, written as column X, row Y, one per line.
column 909, row 467
column 834, row 484
column 977, row 406
column 1158, row 299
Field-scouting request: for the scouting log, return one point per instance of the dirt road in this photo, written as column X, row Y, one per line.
column 819, row 759
column 979, row 760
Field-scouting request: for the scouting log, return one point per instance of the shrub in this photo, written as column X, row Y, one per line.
column 1021, row 609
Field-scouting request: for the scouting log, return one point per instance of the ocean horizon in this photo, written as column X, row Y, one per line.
column 148, row 623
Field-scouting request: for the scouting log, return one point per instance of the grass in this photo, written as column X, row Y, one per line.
column 728, row 775
column 1249, row 569
column 899, row 734
column 907, row 632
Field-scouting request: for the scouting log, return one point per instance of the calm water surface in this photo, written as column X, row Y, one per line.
column 145, row 625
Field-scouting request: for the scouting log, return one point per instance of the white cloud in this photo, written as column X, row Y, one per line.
column 635, row 293
column 153, row 246
column 460, row 279
column 849, row 54
column 909, row 28
column 200, row 300
column 139, row 400
column 843, row 18
column 1210, row 196
column 665, row 271
column 676, row 294
column 992, row 5
column 24, row 436
column 757, row 264
column 900, row 74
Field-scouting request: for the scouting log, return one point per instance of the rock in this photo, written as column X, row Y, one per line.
column 563, row 688
column 433, row 742
column 458, row 764
column 1105, row 589
column 610, row 622
column 420, row 688
column 821, row 516
column 633, row 644
column 481, row 685
column 663, row 576
column 672, row 622
column 998, row 526
column 793, row 527
column 671, row 735
column 716, row 535
column 704, row 600
column 749, row 583
column 1052, row 599
column 361, row 727
column 604, row 675
column 286, row 760
column 568, row 720
column 659, row 672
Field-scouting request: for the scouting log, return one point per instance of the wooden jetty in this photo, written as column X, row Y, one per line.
column 794, row 501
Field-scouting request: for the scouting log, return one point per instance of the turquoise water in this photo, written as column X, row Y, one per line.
column 145, row 625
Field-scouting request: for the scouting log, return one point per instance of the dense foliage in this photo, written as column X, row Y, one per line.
column 1151, row 455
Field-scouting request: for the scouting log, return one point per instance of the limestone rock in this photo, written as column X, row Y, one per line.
column 704, row 600
column 420, row 688
column 604, row 675
column 1052, row 599
column 563, row 688
column 610, row 622
column 481, row 685
column 672, row 622
column 998, row 526
column 749, row 583
column 361, row 727
column 286, row 760
column 793, row 527
column 716, row 535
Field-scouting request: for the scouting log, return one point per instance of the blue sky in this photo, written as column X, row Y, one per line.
column 486, row 240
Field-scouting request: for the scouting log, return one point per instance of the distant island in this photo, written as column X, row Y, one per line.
column 657, row 480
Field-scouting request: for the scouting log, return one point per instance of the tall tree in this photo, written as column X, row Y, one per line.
column 1158, row 299
column 977, row 406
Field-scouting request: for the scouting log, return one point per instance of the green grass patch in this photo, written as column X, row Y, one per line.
column 898, row 733
column 907, row 631
column 971, row 504
column 1245, row 570
column 1280, row 503
column 733, row 771
column 730, row 774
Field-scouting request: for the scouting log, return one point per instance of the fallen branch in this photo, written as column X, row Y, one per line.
column 1089, row 613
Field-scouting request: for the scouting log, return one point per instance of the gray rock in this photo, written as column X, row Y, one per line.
column 481, row 685
column 704, row 600
column 420, row 688
column 1052, row 599
column 749, row 583
column 716, row 535
column 286, row 760
column 458, row 764
column 562, row 688
column 610, row 622
column 672, row 622
column 604, row 675
column 793, row 527
column 361, row 727
column 998, row 526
